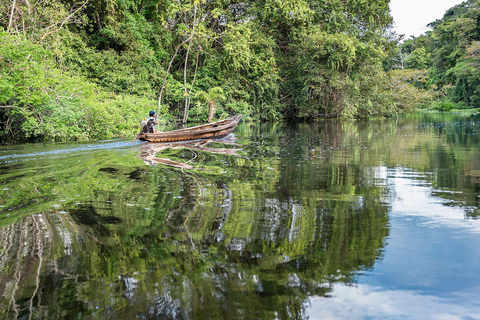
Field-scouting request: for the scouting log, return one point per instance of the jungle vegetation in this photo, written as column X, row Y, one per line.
column 91, row 69
column 445, row 61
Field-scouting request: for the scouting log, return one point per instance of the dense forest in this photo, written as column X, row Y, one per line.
column 93, row 69
column 446, row 60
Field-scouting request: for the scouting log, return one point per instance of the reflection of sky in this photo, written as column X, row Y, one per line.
column 368, row 302
column 431, row 266
column 414, row 200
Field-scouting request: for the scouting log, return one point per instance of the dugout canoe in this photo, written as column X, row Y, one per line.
column 214, row 130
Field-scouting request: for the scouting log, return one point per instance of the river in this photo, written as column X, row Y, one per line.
column 330, row 220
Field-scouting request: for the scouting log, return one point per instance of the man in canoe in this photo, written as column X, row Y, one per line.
column 149, row 125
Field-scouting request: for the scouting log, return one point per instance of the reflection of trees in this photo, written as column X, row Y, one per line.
column 261, row 253
column 443, row 145
column 215, row 243
column 447, row 148
column 31, row 263
column 247, row 237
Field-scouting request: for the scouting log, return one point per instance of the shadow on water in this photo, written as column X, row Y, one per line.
column 243, row 234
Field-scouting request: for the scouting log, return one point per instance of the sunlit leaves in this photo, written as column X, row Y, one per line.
column 294, row 12
column 454, row 54
column 272, row 58
column 48, row 103
column 237, row 44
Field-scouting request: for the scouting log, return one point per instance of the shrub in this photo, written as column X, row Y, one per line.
column 448, row 105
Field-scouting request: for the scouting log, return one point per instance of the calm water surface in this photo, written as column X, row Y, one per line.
column 332, row 220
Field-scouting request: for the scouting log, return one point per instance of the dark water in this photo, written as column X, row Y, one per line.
column 332, row 220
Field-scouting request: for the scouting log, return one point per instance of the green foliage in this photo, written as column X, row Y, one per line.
column 418, row 59
column 212, row 97
column 43, row 102
column 451, row 54
column 455, row 56
column 272, row 59
column 341, row 77
column 448, row 105
column 250, row 73
column 409, row 89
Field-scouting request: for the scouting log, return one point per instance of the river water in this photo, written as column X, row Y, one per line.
column 331, row 220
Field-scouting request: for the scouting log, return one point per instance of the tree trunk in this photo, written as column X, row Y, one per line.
column 211, row 111
column 188, row 98
column 185, row 112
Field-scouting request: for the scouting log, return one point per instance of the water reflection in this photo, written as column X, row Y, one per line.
column 368, row 302
column 416, row 198
column 430, row 269
column 301, row 212
column 151, row 152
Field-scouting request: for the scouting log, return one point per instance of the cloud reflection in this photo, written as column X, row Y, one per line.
column 414, row 198
column 368, row 302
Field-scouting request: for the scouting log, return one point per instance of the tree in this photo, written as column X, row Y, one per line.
column 454, row 55
column 212, row 97
column 418, row 59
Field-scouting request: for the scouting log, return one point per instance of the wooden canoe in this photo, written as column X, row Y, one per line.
column 214, row 130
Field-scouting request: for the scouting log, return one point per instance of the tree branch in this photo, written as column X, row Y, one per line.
column 174, row 56
column 11, row 15
column 63, row 22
